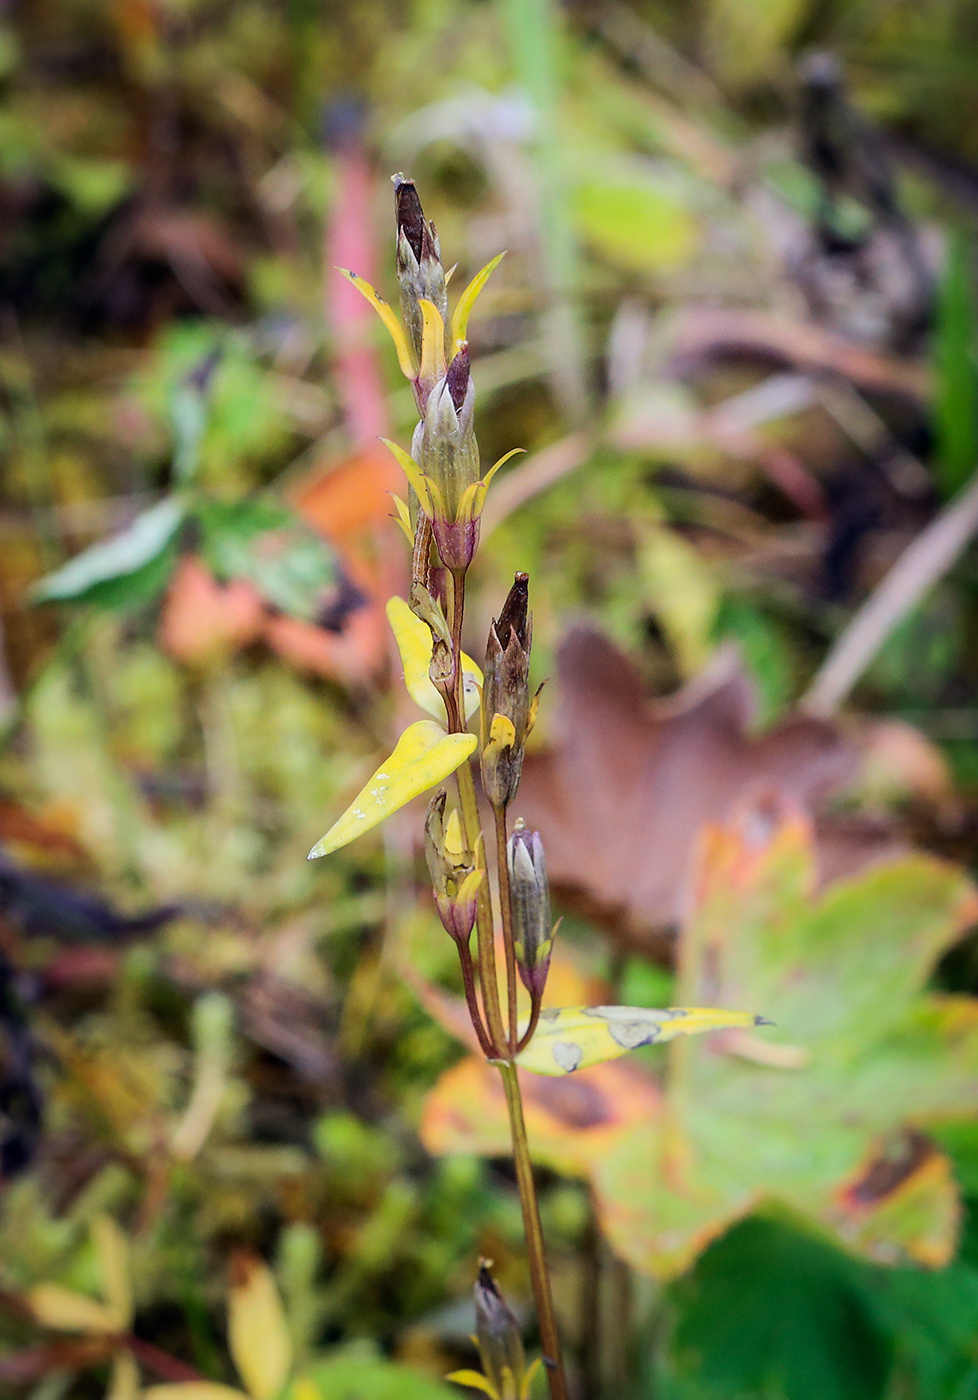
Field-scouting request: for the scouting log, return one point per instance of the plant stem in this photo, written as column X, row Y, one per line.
column 504, row 1047
column 471, row 1000
column 502, row 867
column 472, row 830
column 469, row 809
column 553, row 1359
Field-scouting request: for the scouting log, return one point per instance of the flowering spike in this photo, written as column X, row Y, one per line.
column 386, row 314
column 460, row 320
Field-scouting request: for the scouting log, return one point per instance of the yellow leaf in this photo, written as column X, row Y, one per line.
column 389, row 319
column 426, row 490
column 123, row 1378
column 193, row 1390
column 413, row 639
column 112, row 1249
column 432, row 342
column 425, row 755
column 403, row 517
column 460, row 320
column 577, row 1037
column 258, row 1336
column 474, row 1380
column 69, row 1311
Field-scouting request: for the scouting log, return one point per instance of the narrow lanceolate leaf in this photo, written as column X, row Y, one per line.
column 576, row 1037
column 460, row 321
column 394, row 327
column 258, row 1335
column 117, row 558
column 473, row 1380
column 425, row 755
column 193, row 1390
column 413, row 639
column 68, row 1311
column 113, row 1257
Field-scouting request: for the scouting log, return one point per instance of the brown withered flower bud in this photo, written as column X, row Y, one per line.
column 529, row 898
column 419, row 268
column 507, row 708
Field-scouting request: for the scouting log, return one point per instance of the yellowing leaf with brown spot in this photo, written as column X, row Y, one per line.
column 577, row 1037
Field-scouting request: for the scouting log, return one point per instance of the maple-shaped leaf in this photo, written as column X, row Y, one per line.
column 823, row 1114
column 622, row 793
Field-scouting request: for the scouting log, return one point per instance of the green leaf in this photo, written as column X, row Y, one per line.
column 576, row 1037
column 771, row 1312
column 424, row 755
column 635, row 221
column 267, row 544
column 348, row 1376
column 126, row 569
column 956, row 368
column 932, row 1317
column 812, row 1113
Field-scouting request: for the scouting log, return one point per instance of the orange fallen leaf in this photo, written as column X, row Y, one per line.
column 203, row 620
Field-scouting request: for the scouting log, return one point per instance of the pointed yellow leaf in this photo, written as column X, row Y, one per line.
column 413, row 639
column 415, row 476
column 69, row 1311
column 386, row 314
column 425, row 755
column 473, row 498
column 529, row 1376
column 513, row 452
column 474, row 1380
column 258, row 1335
column 123, row 1378
column 403, row 517
column 112, row 1249
column 577, row 1037
column 460, row 320
column 193, row 1390
column 432, row 342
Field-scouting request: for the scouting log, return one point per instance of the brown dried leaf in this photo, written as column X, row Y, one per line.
column 621, row 795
